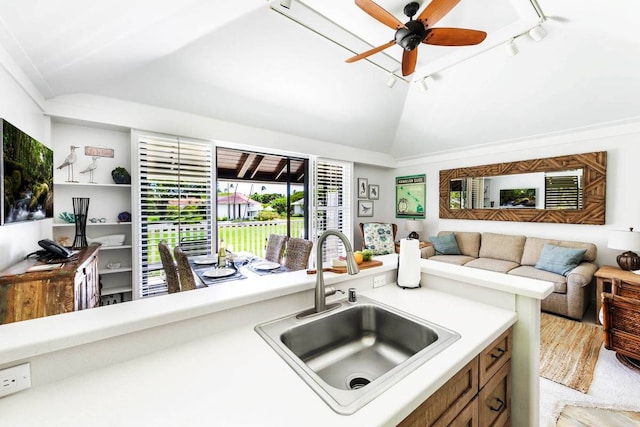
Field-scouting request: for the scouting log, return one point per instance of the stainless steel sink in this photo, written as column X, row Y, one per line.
column 350, row 355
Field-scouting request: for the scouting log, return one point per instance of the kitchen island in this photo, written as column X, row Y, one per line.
column 195, row 359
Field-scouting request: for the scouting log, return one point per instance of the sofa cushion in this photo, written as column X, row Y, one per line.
column 558, row 280
column 499, row 265
column 468, row 242
column 533, row 248
column 505, row 247
column 452, row 259
column 557, row 259
column 378, row 237
column 445, row 245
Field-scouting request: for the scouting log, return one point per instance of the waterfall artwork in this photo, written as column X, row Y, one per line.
column 27, row 172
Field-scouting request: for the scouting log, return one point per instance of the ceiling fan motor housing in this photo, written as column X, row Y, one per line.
column 410, row 37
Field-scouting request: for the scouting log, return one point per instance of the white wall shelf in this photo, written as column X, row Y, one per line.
column 106, row 198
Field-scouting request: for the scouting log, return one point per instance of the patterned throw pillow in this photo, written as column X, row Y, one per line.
column 445, row 245
column 379, row 238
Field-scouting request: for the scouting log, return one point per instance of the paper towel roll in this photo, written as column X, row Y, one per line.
column 409, row 263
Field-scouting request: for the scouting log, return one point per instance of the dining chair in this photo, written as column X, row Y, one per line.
column 297, row 253
column 379, row 237
column 275, row 248
column 169, row 266
column 185, row 273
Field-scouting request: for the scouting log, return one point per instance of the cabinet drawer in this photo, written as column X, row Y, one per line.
column 467, row 418
column 448, row 401
column 495, row 356
column 495, row 398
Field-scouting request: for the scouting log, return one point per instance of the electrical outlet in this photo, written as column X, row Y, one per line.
column 379, row 281
column 15, row 379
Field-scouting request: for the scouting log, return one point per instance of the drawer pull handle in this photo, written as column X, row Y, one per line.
column 500, row 353
column 500, row 405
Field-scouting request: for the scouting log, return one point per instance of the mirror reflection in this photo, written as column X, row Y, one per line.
column 558, row 190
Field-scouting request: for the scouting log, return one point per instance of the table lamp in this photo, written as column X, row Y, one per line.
column 413, row 226
column 628, row 241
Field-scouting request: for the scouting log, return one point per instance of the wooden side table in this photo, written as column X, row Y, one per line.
column 605, row 276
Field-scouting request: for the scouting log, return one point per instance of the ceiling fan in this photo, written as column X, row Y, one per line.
column 410, row 34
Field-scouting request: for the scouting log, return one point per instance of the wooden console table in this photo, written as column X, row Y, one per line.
column 26, row 294
column 605, row 276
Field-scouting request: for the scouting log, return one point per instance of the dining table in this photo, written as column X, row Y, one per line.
column 238, row 266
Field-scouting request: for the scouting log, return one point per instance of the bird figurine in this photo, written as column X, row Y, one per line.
column 92, row 167
column 68, row 162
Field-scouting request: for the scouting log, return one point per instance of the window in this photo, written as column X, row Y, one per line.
column 332, row 201
column 563, row 192
column 175, row 204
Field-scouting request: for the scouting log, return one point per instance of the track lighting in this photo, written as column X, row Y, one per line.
column 392, row 80
column 285, row 3
column 423, row 84
column 512, row 49
column 537, row 33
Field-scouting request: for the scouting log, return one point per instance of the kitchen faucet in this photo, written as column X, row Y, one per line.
column 321, row 291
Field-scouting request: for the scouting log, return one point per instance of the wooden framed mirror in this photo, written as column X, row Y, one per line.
column 565, row 189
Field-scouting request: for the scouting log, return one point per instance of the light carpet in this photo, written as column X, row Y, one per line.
column 568, row 351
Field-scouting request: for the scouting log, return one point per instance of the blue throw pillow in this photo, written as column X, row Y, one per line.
column 559, row 260
column 445, row 245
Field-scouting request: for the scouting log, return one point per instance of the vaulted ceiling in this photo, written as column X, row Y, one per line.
column 243, row 62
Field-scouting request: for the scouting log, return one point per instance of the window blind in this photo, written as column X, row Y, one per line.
column 562, row 192
column 175, row 204
column 332, row 200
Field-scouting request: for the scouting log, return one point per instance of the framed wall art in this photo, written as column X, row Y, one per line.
column 374, row 192
column 365, row 208
column 363, row 186
column 411, row 196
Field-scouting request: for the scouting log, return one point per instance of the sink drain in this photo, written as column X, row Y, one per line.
column 358, row 382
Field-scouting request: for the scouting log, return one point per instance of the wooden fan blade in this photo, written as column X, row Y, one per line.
column 454, row 37
column 370, row 52
column 435, row 11
column 409, row 59
column 377, row 12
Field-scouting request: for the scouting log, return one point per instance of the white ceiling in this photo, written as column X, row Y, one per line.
column 243, row 62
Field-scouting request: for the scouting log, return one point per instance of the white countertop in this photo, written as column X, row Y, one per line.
column 233, row 377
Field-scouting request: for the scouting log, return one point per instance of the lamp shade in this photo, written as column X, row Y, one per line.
column 624, row 240
column 414, row 225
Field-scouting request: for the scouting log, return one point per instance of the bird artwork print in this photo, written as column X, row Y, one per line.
column 68, row 163
column 90, row 169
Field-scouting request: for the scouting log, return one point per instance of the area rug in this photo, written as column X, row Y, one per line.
column 568, row 351
column 579, row 415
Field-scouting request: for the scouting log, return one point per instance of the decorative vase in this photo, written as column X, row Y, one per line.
column 121, row 176
column 80, row 209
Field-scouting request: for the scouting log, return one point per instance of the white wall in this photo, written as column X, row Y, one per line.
column 623, row 175
column 17, row 107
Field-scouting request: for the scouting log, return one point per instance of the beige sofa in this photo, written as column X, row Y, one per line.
column 517, row 255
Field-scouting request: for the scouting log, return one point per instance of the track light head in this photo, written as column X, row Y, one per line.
column 392, row 80
column 512, row 49
column 537, row 33
column 423, row 84
column 285, row 3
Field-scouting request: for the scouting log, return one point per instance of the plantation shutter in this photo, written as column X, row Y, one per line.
column 331, row 201
column 562, row 192
column 175, row 204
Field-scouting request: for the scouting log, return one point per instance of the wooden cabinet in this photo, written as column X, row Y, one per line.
column 26, row 294
column 478, row 395
column 627, row 284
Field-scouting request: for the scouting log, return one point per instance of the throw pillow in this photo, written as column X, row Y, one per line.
column 378, row 238
column 559, row 260
column 445, row 245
